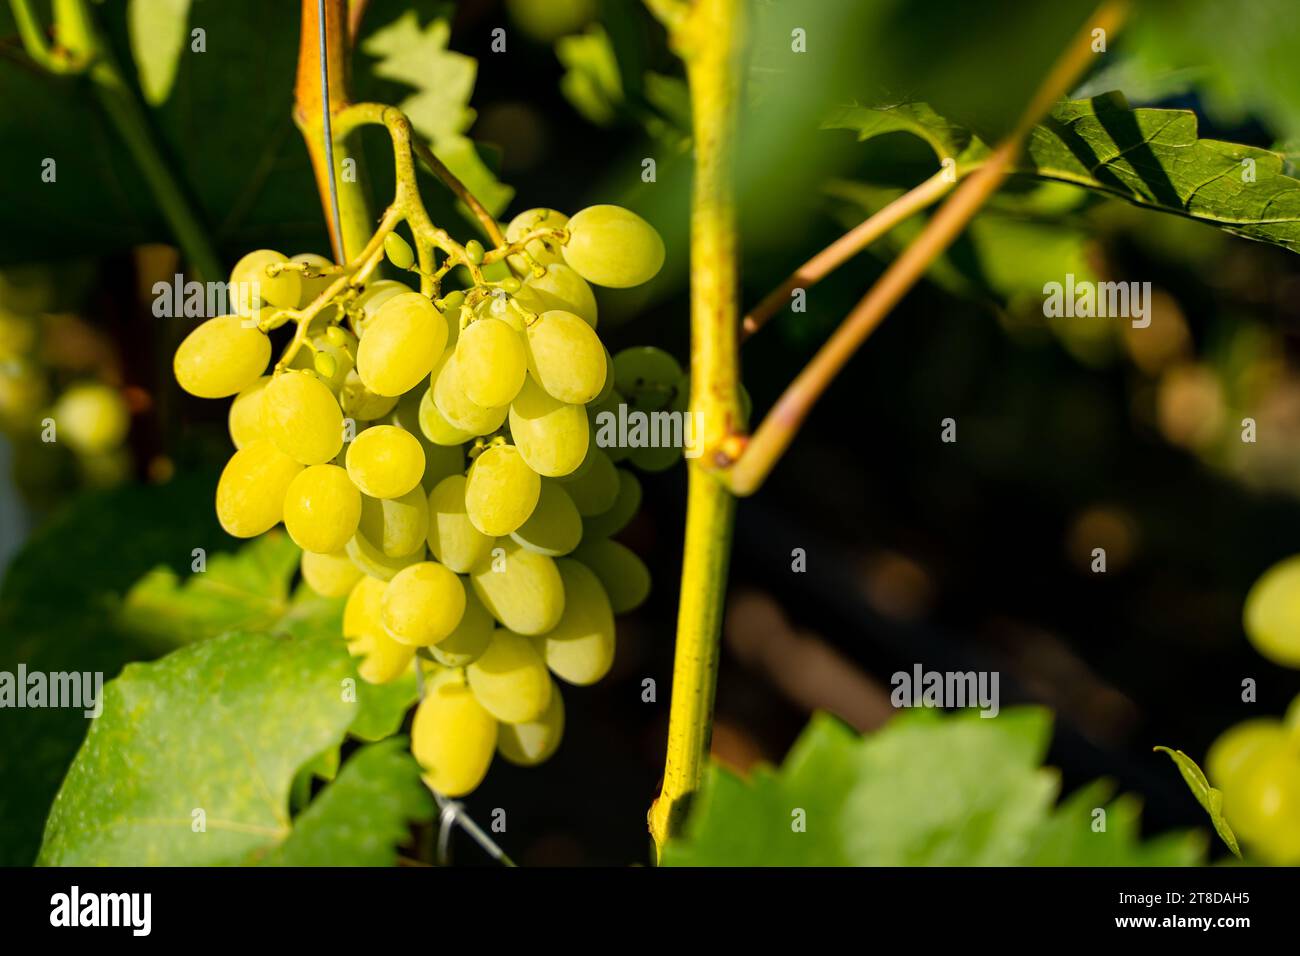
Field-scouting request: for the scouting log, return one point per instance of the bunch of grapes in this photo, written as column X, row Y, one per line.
column 434, row 458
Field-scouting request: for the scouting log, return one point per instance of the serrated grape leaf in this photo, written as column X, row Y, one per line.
column 1207, row 796
column 926, row 790
column 439, row 109
column 221, row 727
column 158, row 30
column 1149, row 157
column 363, row 815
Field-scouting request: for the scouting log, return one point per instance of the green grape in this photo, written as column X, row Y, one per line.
column 498, row 306
column 474, row 250
column 313, row 286
column 565, row 357
column 520, row 588
column 580, row 649
column 245, row 418
column 509, row 679
column 325, row 365
column 436, row 428
column 92, row 417
column 439, row 460
column 623, row 575
column 331, row 361
column 396, row 526
column 456, row 407
column 559, row 288
column 250, row 492
column 613, row 520
column 367, row 304
column 370, row 559
column 385, row 461
column 554, row 527
column 655, row 459
column 491, row 362
column 453, row 739
column 401, row 344
column 1272, row 613
column 1241, row 746
column 300, row 414
column 501, row 491
column 543, row 251
column 593, row 488
column 471, row 637
column 382, row 658
column 552, row 436
column 647, row 376
column 255, row 288
column 531, row 742
column 613, row 246
column 329, row 575
column 1263, row 807
column 1292, row 718
column 604, row 413
column 607, row 389
column 423, row 604
column 221, row 357
column 453, row 539
column 398, row 251
column 360, row 403
column 321, row 509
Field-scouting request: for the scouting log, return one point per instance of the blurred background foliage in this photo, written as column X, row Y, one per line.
column 1072, row 433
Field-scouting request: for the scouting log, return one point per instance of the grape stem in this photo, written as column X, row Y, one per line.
column 742, row 463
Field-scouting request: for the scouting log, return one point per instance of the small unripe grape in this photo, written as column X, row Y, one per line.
column 613, row 247
column 338, row 337
column 423, row 604
column 501, row 491
column 325, row 364
column 385, row 461
column 565, row 357
column 329, row 575
column 400, row 344
column 251, row 490
column 221, row 357
column 474, row 249
column 531, row 742
column 453, row 739
column 383, row 659
column 302, row 417
column 510, row 679
column 398, row 251
column 321, row 509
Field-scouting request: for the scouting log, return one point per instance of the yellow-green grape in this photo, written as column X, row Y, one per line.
column 1263, row 807
column 255, row 288
column 302, row 417
column 385, row 461
column 1272, row 613
column 655, row 458
column 607, row 389
column 613, row 246
column 520, row 588
column 370, row 559
column 313, row 286
column 593, row 488
column 552, row 436
column 491, row 362
column 456, row 406
column 221, row 357
column 382, row 658
column 554, row 527
column 435, row 427
column 1291, row 720
column 453, row 739
column 471, row 637
column 531, row 742
column 565, row 357
column 329, row 575
column 648, row 377
column 453, row 539
column 580, row 649
column 401, row 344
column 510, row 680
column 251, row 490
column 396, row 526
column 559, row 288
column 1241, row 746
column 439, row 460
column 423, row 604
column 332, row 362
column 321, row 509
column 367, row 303
column 501, row 491
column 92, row 418
column 622, row 574
column 474, row 251
column 398, row 251
column 361, row 404
column 604, row 416
column 543, row 251
column 625, row 506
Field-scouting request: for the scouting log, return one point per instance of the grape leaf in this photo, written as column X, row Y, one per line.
column 926, row 790
column 1207, row 796
column 219, row 726
column 591, row 80
column 158, row 30
column 1149, row 157
column 382, row 707
column 359, row 818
